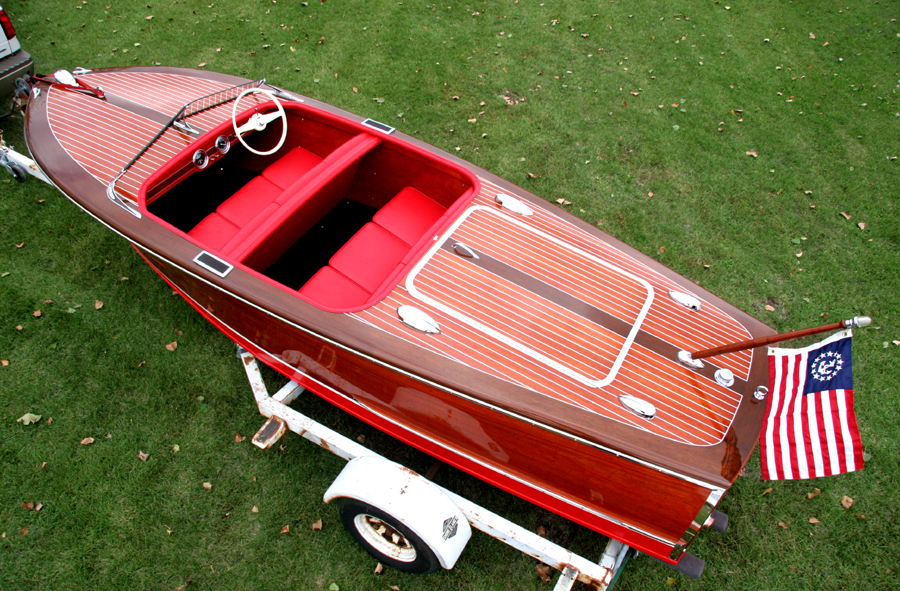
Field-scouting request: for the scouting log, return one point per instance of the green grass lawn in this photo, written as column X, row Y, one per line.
column 726, row 141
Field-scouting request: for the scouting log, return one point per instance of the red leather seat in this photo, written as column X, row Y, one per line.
column 409, row 215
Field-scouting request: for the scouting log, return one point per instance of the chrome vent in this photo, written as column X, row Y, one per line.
column 417, row 319
column 514, row 205
column 686, row 300
column 640, row 407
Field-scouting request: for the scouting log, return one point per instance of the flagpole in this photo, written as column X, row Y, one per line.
column 857, row 321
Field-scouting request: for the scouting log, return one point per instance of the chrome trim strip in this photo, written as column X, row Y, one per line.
column 698, row 523
column 117, row 198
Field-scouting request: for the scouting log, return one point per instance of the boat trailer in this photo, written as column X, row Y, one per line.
column 428, row 521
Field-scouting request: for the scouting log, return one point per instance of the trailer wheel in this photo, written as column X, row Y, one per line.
column 386, row 538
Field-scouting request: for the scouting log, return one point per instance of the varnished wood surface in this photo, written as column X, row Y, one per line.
column 717, row 464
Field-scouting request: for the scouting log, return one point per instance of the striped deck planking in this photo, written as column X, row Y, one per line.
column 464, row 298
column 103, row 138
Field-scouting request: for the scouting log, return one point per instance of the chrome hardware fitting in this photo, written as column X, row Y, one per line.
column 858, row 322
column 514, row 205
column 185, row 127
column 685, row 358
column 382, row 127
column 417, row 319
column 79, row 71
column 641, row 408
column 116, row 197
column 686, row 300
column 464, row 251
column 65, row 77
column 760, row 392
column 213, row 263
column 724, row 377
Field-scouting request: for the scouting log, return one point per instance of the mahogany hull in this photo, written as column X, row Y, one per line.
column 592, row 463
column 613, row 495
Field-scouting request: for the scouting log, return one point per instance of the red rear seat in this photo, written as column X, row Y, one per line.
column 360, row 268
column 409, row 215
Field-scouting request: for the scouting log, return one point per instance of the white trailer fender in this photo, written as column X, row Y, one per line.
column 410, row 499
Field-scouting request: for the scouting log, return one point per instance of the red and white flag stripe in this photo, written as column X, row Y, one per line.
column 806, row 435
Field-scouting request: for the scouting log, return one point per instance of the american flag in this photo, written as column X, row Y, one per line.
column 810, row 427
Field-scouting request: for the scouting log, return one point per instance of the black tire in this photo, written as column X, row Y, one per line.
column 18, row 173
column 364, row 521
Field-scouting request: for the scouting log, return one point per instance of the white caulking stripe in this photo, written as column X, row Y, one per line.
column 502, row 304
column 163, row 92
column 589, row 402
column 505, row 244
column 725, row 329
column 660, row 282
column 673, row 414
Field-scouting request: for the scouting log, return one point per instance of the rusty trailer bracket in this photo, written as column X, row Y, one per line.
column 281, row 418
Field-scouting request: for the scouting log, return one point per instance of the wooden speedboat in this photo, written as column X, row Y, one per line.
column 439, row 303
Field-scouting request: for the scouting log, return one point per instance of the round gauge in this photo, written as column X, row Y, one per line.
column 222, row 144
column 200, row 159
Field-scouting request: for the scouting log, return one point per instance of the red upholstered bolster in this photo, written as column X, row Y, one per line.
column 290, row 167
column 370, row 256
column 214, row 231
column 330, row 288
column 249, row 231
column 409, row 215
column 246, row 204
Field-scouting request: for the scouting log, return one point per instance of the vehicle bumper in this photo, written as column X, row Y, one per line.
column 14, row 66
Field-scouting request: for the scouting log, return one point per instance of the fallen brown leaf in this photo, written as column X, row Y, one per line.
column 28, row 506
column 24, row 531
column 860, row 515
column 768, row 490
column 207, row 486
column 254, row 509
column 813, row 494
column 543, row 571
column 752, row 153
column 172, row 346
column 38, row 506
column 394, row 588
column 4, row 362
column 285, row 529
column 541, row 531
column 43, row 464
column 49, row 420
column 782, row 524
column 861, row 225
column 846, row 215
column 379, row 568
column 813, row 520
column 562, row 201
column 20, row 245
column 143, row 456
column 36, row 313
column 770, row 308
column 317, row 525
column 846, row 501
column 238, row 437
column 87, row 441
column 98, row 304
column 178, row 332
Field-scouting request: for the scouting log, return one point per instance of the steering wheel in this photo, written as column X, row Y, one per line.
column 258, row 122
